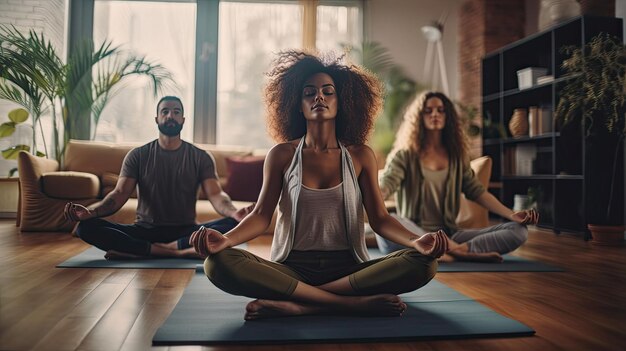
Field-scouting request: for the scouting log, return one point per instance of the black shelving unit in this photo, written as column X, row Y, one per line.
column 558, row 170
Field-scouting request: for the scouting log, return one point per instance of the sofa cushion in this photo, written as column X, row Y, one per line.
column 221, row 152
column 109, row 181
column 245, row 177
column 70, row 185
column 96, row 157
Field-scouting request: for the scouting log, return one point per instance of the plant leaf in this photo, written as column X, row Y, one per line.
column 7, row 129
column 12, row 152
column 12, row 172
column 18, row 115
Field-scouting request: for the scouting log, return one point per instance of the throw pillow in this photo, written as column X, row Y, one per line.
column 245, row 177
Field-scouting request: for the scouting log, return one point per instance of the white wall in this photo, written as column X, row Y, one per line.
column 42, row 16
column 396, row 24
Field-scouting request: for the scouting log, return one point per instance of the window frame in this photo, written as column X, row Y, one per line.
column 81, row 19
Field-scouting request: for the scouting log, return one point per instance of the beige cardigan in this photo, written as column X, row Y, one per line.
column 403, row 175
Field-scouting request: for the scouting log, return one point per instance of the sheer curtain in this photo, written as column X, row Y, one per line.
column 249, row 36
column 165, row 33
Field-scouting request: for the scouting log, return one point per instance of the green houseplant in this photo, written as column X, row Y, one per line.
column 17, row 119
column 595, row 97
column 73, row 93
column 399, row 89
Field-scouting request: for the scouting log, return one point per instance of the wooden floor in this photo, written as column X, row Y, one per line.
column 48, row 308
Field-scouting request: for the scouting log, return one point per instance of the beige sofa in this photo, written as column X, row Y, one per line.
column 90, row 172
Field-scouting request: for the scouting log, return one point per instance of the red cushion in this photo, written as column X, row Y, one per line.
column 245, row 177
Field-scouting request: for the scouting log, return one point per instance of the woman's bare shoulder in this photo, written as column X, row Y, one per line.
column 283, row 152
column 360, row 151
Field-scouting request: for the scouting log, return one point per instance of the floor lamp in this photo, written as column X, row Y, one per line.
column 434, row 50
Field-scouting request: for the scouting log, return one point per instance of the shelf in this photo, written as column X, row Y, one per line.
column 492, row 97
column 528, row 138
column 529, row 177
column 565, row 201
column 516, row 91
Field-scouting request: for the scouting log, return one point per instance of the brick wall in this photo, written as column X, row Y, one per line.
column 598, row 7
column 42, row 16
column 484, row 26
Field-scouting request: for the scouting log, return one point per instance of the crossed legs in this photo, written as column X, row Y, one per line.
column 127, row 241
column 369, row 288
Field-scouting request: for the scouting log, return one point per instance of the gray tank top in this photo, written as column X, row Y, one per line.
column 434, row 195
column 321, row 220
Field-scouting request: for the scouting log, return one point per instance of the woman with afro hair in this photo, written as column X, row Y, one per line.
column 428, row 169
column 321, row 175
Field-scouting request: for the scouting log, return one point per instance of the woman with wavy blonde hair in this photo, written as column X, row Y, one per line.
column 428, row 169
column 321, row 175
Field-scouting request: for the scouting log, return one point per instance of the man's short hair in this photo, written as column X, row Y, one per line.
column 170, row 98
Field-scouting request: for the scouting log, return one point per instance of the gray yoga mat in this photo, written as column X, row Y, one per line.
column 94, row 258
column 206, row 315
column 510, row 264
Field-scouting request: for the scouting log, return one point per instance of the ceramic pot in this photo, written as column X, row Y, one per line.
column 518, row 125
column 607, row 235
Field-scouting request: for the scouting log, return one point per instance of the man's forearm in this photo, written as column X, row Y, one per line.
column 224, row 205
column 109, row 205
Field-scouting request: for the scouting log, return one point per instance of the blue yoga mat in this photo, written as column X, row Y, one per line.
column 510, row 264
column 94, row 258
column 206, row 315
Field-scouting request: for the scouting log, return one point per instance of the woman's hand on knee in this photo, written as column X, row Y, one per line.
column 526, row 217
column 432, row 244
column 208, row 241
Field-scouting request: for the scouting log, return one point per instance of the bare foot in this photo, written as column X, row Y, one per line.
column 171, row 245
column 258, row 309
column 189, row 253
column 377, row 305
column 117, row 255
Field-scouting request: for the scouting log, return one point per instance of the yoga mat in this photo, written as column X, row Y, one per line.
column 510, row 264
column 94, row 258
column 206, row 315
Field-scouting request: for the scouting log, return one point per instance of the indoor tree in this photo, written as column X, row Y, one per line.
column 75, row 92
column 594, row 96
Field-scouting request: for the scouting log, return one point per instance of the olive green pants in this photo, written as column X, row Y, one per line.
column 240, row 272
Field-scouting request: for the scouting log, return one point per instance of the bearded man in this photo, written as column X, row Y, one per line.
column 167, row 173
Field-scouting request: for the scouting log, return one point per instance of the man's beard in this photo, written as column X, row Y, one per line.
column 170, row 128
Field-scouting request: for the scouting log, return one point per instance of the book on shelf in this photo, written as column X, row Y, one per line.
column 544, row 120
column 533, row 121
column 519, row 160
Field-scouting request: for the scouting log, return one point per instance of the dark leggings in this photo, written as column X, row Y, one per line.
column 135, row 239
column 240, row 272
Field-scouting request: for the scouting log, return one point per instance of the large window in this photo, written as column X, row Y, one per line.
column 249, row 34
column 164, row 32
column 218, row 52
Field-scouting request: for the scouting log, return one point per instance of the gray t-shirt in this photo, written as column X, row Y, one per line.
column 167, row 182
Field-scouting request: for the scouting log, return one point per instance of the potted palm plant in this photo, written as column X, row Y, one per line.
column 595, row 97
column 74, row 92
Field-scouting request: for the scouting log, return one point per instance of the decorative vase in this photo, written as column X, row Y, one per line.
column 552, row 12
column 607, row 235
column 518, row 125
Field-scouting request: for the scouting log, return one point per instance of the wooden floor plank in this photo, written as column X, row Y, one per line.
column 582, row 308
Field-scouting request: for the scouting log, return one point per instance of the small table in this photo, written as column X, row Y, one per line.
column 10, row 198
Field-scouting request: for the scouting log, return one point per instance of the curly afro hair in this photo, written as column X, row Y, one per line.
column 359, row 92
